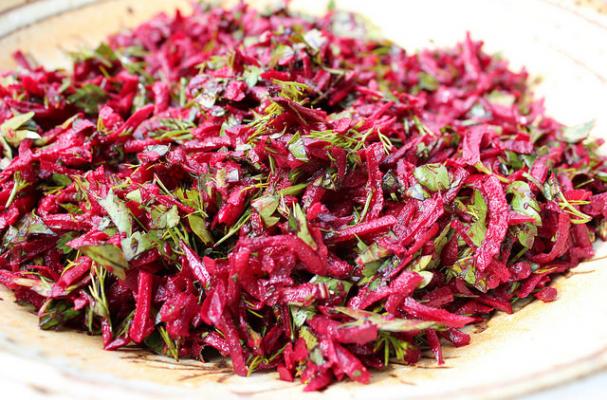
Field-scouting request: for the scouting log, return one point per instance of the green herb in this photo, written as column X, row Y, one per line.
column 434, row 177
column 292, row 190
column 18, row 185
column 297, row 148
column 427, row 81
column 88, row 97
column 265, row 207
column 386, row 324
column 13, row 134
column 335, row 286
column 109, row 256
column 314, row 40
column 244, row 218
column 420, row 264
column 199, row 227
column 138, row 243
column 577, row 133
column 251, row 75
column 118, row 212
column 299, row 223
column 55, row 314
column 465, row 269
column 165, row 219
column 523, row 201
column 478, row 210
column 96, row 289
column 391, row 345
column 171, row 347
column 41, row 286
column 300, row 315
column 104, row 54
column 500, row 98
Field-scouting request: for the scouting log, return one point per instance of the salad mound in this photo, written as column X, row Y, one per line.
column 288, row 192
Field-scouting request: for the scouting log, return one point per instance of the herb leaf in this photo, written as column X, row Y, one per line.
column 523, row 201
column 88, row 97
column 12, row 134
column 118, row 212
column 434, row 177
column 577, row 133
column 297, row 148
column 299, row 223
column 478, row 209
column 108, row 256
column 199, row 227
column 386, row 324
column 266, row 206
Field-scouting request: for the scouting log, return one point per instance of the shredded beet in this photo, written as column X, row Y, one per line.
column 286, row 192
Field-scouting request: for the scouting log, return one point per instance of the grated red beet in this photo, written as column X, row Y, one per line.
column 287, row 192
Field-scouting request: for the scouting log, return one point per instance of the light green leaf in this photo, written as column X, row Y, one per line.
column 199, row 227
column 434, row 177
column 386, row 324
column 165, row 219
column 16, row 122
column 427, row 276
column 314, row 39
column 478, row 210
column 300, row 315
column 525, row 233
column 88, row 97
column 297, row 147
column 16, row 137
column 464, row 268
column 118, row 212
column 417, row 192
column 523, row 201
column 316, row 356
column 420, row 264
column 334, row 285
column 136, row 244
column 41, row 286
column 498, row 97
column 427, row 81
column 108, row 256
column 29, row 224
column 372, row 253
column 251, row 75
column 160, row 149
column 12, row 134
column 577, row 133
column 172, row 217
column 308, row 337
column 299, row 224
column 135, row 195
column 266, row 206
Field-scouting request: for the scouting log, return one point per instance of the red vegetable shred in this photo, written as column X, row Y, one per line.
column 286, row 192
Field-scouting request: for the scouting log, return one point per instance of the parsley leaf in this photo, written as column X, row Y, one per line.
column 118, row 212
column 434, row 177
column 109, row 256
